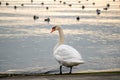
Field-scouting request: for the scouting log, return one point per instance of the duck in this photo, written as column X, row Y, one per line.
column 47, row 8
column 98, row 12
column 0, row 3
column 7, row 4
column 15, row 7
column 35, row 17
column 42, row 3
column 64, row 54
column 77, row 18
column 69, row 5
column 22, row 4
column 83, row 7
column 47, row 19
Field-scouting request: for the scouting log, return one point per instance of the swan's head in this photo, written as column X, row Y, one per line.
column 55, row 28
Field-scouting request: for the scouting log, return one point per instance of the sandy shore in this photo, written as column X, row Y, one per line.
column 75, row 76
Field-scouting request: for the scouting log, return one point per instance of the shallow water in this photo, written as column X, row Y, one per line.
column 26, row 45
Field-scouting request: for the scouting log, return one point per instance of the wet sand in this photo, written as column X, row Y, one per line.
column 75, row 76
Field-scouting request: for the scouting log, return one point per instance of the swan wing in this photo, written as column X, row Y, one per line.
column 67, row 54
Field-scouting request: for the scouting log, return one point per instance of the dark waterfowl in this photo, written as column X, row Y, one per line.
column 0, row 3
column 47, row 8
column 79, row 1
column 7, row 4
column 35, row 17
column 22, row 4
column 113, row 0
column 47, row 19
column 108, row 5
column 42, row 3
column 31, row 1
column 64, row 2
column 83, row 7
column 105, row 8
column 15, row 7
column 69, row 5
column 93, row 3
column 98, row 12
column 60, row 1
column 77, row 18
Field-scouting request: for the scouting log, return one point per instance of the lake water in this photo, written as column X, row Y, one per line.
column 26, row 45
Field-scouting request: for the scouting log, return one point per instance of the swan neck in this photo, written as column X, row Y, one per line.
column 61, row 36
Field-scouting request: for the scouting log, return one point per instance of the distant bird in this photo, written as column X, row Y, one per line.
column 65, row 54
column 83, row 6
column 98, row 12
column 70, row 5
column 7, row 4
column 64, row 3
column 93, row 3
column 0, row 3
column 22, row 4
column 15, row 7
column 47, row 19
column 105, row 8
column 60, row 1
column 108, row 5
column 42, row 3
column 35, row 17
column 31, row 1
column 47, row 8
column 79, row 1
column 77, row 18
column 113, row 0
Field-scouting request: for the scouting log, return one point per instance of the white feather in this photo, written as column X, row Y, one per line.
column 67, row 55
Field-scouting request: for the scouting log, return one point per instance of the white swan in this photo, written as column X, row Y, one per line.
column 65, row 54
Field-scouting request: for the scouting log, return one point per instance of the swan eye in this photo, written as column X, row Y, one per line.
column 54, row 28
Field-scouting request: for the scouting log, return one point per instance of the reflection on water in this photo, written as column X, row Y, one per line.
column 26, row 45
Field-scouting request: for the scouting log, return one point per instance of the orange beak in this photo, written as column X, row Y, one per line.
column 52, row 30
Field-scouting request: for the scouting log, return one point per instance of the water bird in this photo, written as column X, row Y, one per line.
column 47, row 19
column 93, row 3
column 113, row 0
column 70, row 5
column 47, row 8
column 64, row 3
column 79, row 1
column 31, row 1
column 108, row 5
column 35, row 17
column 15, row 7
column 105, row 8
column 22, row 4
column 7, row 4
column 98, row 12
column 42, row 3
column 65, row 55
column 60, row 2
column 83, row 6
column 77, row 18
column 0, row 3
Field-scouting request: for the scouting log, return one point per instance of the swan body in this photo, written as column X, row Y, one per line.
column 65, row 54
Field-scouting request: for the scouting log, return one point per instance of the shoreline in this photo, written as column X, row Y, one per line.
column 3, row 75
